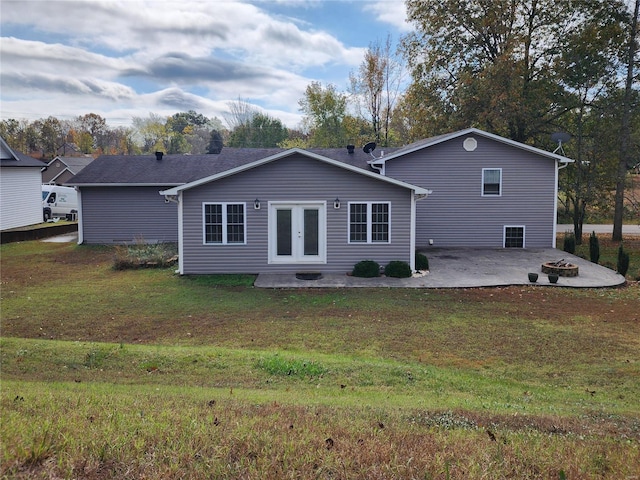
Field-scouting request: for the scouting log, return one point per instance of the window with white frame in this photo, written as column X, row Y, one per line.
column 514, row 236
column 224, row 223
column 491, row 182
column 369, row 222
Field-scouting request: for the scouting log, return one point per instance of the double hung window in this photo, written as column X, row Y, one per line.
column 491, row 182
column 224, row 223
column 369, row 222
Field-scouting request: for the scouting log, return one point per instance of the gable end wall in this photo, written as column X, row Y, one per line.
column 291, row 179
column 457, row 215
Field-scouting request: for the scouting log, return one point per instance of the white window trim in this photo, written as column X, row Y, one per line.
column 369, row 232
column 224, row 223
column 524, row 235
column 499, row 194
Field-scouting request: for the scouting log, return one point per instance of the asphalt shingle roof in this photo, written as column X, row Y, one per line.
column 75, row 164
column 180, row 169
column 21, row 160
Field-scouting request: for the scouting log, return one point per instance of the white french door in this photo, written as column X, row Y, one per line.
column 297, row 232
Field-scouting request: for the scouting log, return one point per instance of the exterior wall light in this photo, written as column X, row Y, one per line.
column 256, row 204
column 336, row 203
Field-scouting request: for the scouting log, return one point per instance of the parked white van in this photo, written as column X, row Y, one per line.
column 59, row 202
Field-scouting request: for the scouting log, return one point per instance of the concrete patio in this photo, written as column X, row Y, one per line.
column 465, row 268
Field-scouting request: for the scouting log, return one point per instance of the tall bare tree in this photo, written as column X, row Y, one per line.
column 376, row 86
column 240, row 113
column 631, row 84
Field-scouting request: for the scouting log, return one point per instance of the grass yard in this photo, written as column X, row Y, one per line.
column 144, row 374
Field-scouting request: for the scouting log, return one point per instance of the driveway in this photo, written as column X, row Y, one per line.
column 468, row 267
column 631, row 229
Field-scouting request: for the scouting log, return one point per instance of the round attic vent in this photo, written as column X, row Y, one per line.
column 470, row 144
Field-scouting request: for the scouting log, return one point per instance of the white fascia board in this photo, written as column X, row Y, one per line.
column 473, row 131
column 286, row 153
column 6, row 147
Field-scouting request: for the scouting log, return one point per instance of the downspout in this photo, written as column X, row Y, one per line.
column 180, row 236
column 80, row 223
column 412, row 241
column 414, row 198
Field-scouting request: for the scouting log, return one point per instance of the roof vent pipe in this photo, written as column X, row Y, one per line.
column 350, row 149
column 159, row 156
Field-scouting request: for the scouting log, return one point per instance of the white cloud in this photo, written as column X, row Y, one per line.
column 36, row 56
column 392, row 12
column 67, row 58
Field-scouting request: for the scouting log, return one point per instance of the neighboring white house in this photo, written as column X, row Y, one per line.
column 20, row 189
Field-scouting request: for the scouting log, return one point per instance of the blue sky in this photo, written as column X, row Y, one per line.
column 122, row 59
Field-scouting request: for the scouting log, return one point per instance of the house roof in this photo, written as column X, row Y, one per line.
column 13, row 158
column 139, row 170
column 179, row 169
column 429, row 142
column 310, row 154
column 175, row 170
column 74, row 164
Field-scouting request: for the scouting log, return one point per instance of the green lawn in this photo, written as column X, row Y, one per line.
column 145, row 374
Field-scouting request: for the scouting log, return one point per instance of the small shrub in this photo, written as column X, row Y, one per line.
column 623, row 261
column 569, row 243
column 145, row 255
column 366, row 269
column 594, row 248
column 422, row 262
column 397, row 269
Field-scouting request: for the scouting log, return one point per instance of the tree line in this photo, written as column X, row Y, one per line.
column 522, row 69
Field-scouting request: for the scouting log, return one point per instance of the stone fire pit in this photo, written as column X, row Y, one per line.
column 560, row 268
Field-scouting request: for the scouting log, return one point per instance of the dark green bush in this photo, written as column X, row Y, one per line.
column 422, row 262
column 569, row 243
column 594, row 248
column 366, row 269
column 623, row 261
column 397, row 269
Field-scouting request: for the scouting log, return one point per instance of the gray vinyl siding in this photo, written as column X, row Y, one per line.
column 457, row 214
column 127, row 214
column 53, row 171
column 295, row 178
